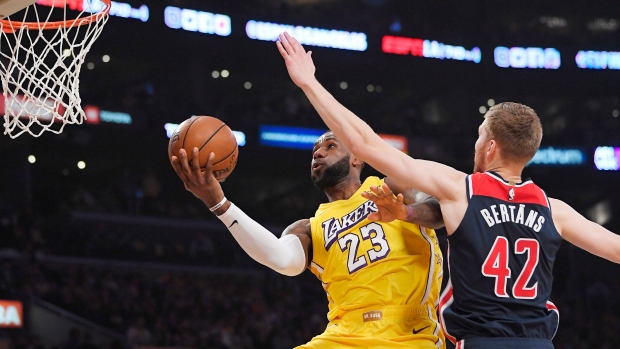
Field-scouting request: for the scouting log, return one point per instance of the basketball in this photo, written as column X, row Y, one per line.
column 209, row 135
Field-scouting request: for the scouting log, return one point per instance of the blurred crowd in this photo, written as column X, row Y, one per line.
column 237, row 304
column 267, row 180
column 178, row 309
column 128, row 205
column 136, row 210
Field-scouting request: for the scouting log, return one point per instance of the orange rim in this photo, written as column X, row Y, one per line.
column 9, row 26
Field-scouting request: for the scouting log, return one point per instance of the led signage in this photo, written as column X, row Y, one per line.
column 527, row 57
column 76, row 5
column 288, row 137
column 11, row 314
column 430, row 49
column 115, row 117
column 118, row 9
column 304, row 138
column 197, row 21
column 598, row 60
column 331, row 38
column 239, row 136
column 24, row 107
column 558, row 157
column 94, row 116
column 398, row 142
column 607, row 158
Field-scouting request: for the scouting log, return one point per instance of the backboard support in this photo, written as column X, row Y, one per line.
column 9, row 7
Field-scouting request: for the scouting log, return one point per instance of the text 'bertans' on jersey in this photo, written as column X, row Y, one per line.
column 507, row 214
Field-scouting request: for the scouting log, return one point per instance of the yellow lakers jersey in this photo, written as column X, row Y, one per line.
column 366, row 264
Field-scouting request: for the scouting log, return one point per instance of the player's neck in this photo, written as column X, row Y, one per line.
column 343, row 190
column 508, row 172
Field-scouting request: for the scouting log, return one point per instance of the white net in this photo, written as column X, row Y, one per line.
column 41, row 55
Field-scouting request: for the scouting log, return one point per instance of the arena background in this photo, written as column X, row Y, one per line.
column 119, row 255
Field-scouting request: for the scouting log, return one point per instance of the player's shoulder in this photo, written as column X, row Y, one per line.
column 561, row 213
column 559, row 207
column 300, row 227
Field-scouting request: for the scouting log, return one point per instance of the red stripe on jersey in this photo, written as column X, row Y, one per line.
column 551, row 306
column 484, row 184
column 445, row 300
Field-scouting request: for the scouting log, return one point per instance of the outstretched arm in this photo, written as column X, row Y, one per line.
column 287, row 255
column 584, row 233
column 438, row 180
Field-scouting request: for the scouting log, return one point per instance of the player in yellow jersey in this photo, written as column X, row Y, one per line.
column 382, row 279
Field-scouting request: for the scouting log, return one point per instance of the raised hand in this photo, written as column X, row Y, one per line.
column 199, row 182
column 298, row 62
column 390, row 207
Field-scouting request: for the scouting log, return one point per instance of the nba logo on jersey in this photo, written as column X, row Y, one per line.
column 511, row 194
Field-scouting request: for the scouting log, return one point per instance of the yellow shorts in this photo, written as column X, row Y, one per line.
column 387, row 327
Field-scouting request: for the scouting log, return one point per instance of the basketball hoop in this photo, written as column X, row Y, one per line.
column 41, row 55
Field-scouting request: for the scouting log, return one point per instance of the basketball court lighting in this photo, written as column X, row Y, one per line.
column 32, row 159
column 65, row 172
column 215, row 74
column 344, row 85
column 225, row 73
column 247, row 85
column 81, row 165
column 66, row 52
column 491, row 102
column 105, row 58
column 370, row 87
column 615, row 113
column 90, row 65
column 482, row 109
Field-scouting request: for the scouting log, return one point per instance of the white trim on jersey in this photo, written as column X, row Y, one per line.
column 447, row 304
column 553, row 307
column 431, row 267
column 460, row 344
column 503, row 181
column 471, row 187
column 318, row 268
column 439, row 342
column 547, row 198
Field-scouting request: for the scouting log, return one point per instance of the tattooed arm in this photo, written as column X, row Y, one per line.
column 410, row 205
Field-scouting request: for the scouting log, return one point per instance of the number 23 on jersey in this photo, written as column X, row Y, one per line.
column 351, row 242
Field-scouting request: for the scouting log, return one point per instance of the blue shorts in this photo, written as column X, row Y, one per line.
column 504, row 343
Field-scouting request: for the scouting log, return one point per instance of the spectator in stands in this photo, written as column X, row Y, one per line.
column 73, row 341
column 138, row 334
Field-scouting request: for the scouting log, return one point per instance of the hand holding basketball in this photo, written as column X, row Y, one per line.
column 209, row 135
column 198, row 181
column 203, row 151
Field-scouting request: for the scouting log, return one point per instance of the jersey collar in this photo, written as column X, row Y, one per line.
column 499, row 178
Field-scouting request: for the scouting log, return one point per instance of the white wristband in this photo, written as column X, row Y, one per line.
column 285, row 255
column 218, row 205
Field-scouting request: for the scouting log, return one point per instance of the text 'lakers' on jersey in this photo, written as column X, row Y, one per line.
column 500, row 260
column 364, row 264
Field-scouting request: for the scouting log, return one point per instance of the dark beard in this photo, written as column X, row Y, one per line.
column 333, row 175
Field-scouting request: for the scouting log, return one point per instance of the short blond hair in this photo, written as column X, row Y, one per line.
column 517, row 130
